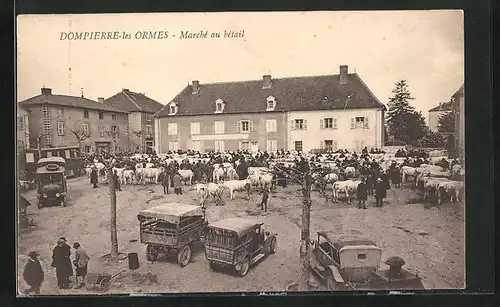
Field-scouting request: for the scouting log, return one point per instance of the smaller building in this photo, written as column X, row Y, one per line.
column 436, row 113
column 62, row 121
column 141, row 109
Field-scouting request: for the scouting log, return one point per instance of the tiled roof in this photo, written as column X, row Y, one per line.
column 446, row 106
column 133, row 102
column 70, row 101
column 291, row 94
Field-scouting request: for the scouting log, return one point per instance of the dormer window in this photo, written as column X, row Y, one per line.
column 271, row 103
column 172, row 108
column 219, row 106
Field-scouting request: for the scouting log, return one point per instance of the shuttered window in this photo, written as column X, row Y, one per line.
column 244, row 126
column 298, row 145
column 172, row 129
column 219, row 146
column 195, row 128
column 219, row 127
column 300, row 124
column 61, row 128
column 271, row 125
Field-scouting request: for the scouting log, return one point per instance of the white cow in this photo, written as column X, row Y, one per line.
column 348, row 187
column 209, row 190
column 186, row 175
column 430, row 186
column 237, row 185
column 266, row 180
column 128, row 177
column 450, row 188
column 231, row 174
column 408, row 171
column 150, row 173
column 100, row 169
column 331, row 178
column 350, row 171
column 218, row 174
column 149, row 164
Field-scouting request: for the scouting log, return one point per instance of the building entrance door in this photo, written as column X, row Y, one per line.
column 102, row 147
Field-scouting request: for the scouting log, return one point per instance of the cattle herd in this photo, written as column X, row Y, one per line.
column 335, row 174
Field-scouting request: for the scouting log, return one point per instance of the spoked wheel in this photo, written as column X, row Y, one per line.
column 184, row 256
column 274, row 246
column 104, row 285
column 245, row 265
column 151, row 253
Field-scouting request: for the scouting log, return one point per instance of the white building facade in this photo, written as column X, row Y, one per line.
column 350, row 129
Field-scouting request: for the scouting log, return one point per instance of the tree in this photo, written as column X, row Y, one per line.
column 113, row 133
column 302, row 175
column 404, row 122
column 140, row 135
column 431, row 140
column 446, row 123
column 80, row 134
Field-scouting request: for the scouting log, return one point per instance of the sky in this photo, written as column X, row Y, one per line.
column 426, row 48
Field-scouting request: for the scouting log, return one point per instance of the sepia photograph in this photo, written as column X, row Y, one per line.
column 264, row 152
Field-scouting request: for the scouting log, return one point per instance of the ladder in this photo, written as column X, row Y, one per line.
column 46, row 125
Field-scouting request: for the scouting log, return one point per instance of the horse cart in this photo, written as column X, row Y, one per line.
column 171, row 229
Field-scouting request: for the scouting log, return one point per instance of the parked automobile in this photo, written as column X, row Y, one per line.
column 348, row 261
column 51, row 181
column 238, row 243
column 171, row 228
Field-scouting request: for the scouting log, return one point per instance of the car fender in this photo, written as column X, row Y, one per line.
column 337, row 277
column 267, row 243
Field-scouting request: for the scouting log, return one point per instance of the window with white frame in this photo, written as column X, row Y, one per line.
column 60, row 128
column 271, row 103
column 298, row 145
column 85, row 114
column 60, row 112
column 173, row 146
column 149, row 130
column 300, row 124
column 271, row 145
column 86, row 129
column 195, row 128
column 328, row 123
column 219, row 146
column 328, row 145
column 219, row 105
column 359, row 122
column 271, row 125
column 244, row 126
column 219, row 127
column 101, row 115
column 113, row 116
column 172, row 129
column 172, row 108
column 102, row 130
column 87, row 149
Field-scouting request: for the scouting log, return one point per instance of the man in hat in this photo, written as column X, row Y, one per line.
column 362, row 193
column 81, row 262
column 177, row 183
column 33, row 274
column 165, row 181
column 62, row 263
column 380, row 192
column 93, row 176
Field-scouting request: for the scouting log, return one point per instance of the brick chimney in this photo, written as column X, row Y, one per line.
column 195, row 87
column 344, row 71
column 46, row 91
column 100, row 99
column 125, row 90
column 266, row 81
